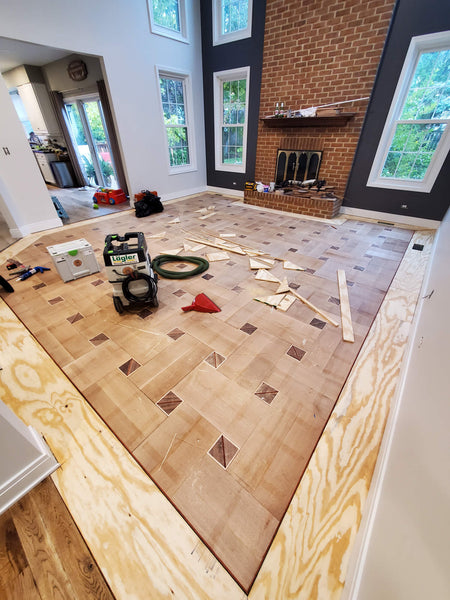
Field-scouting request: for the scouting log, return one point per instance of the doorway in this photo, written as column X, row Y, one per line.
column 90, row 138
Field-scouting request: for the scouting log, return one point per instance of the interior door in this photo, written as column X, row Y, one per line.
column 91, row 141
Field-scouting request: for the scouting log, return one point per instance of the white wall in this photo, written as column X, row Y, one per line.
column 24, row 200
column 119, row 32
column 405, row 551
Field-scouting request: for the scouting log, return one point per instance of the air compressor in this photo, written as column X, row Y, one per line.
column 129, row 269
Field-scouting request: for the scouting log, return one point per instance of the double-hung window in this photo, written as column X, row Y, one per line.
column 231, row 89
column 416, row 136
column 175, row 97
column 168, row 18
column 232, row 20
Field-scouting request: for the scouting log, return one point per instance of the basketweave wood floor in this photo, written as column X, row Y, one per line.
column 222, row 410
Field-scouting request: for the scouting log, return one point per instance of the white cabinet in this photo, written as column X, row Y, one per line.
column 39, row 109
column 44, row 159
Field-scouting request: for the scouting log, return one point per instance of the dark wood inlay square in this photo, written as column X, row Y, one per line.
column 39, row 286
column 169, row 402
column 97, row 282
column 317, row 323
column 215, row 359
column 56, row 300
column 292, row 249
column 359, row 268
column 248, row 328
column 310, row 271
column 130, row 366
column 296, row 353
column 223, row 451
column 237, row 289
column 207, row 276
column 266, row 392
column 334, row 300
column 144, row 313
column 75, row 318
column 175, row 333
column 179, row 293
column 99, row 339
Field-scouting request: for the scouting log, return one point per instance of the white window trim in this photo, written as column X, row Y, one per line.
column 189, row 113
column 180, row 36
column 225, row 38
column 218, row 79
column 434, row 41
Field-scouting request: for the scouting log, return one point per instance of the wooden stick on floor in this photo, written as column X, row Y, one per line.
column 346, row 317
column 324, row 315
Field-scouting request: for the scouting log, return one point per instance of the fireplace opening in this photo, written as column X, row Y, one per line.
column 297, row 165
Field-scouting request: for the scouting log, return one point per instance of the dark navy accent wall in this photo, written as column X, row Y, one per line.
column 409, row 19
column 242, row 53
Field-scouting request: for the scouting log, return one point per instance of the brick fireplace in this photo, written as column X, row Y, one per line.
column 330, row 53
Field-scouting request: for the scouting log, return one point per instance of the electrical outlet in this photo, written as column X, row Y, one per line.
column 404, row 206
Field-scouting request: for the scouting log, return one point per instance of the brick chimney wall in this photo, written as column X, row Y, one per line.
column 317, row 52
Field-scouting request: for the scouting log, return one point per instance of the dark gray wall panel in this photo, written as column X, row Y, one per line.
column 410, row 18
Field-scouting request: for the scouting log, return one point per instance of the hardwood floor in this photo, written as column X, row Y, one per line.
column 43, row 555
column 253, row 387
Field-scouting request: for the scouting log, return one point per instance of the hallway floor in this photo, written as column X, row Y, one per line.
column 223, row 411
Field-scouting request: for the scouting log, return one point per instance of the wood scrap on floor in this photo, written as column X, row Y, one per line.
column 263, row 275
column 155, row 236
column 222, row 246
column 216, row 256
column 290, row 266
column 283, row 287
column 271, row 300
column 323, row 314
column 286, row 303
column 207, row 216
column 174, row 221
column 261, row 263
column 346, row 317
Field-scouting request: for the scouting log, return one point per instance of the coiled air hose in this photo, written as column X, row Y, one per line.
column 145, row 297
column 202, row 265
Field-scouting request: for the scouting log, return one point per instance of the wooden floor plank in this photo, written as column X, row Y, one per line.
column 74, row 453
column 346, row 317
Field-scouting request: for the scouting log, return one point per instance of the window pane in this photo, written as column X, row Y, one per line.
column 234, row 15
column 166, row 14
column 174, row 112
column 428, row 95
column 411, row 150
column 232, row 145
column 178, row 146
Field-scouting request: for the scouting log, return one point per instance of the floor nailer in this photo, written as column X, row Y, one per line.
column 129, row 269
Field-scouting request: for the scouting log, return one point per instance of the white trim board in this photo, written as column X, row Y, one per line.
column 390, row 218
column 224, row 191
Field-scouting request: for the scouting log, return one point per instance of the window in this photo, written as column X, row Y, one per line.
column 168, row 18
column 231, row 109
column 175, row 101
column 416, row 138
column 232, row 20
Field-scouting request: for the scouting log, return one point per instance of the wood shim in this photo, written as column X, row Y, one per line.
column 227, row 235
column 223, row 246
column 261, row 263
column 207, row 216
column 263, row 275
column 214, row 256
column 177, row 220
column 172, row 251
column 270, row 300
column 202, row 210
column 291, row 266
column 286, row 303
column 156, row 235
column 323, row 314
column 283, row 287
column 346, row 317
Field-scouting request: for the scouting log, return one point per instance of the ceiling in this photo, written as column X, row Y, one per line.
column 14, row 53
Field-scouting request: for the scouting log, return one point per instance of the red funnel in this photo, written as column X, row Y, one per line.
column 202, row 303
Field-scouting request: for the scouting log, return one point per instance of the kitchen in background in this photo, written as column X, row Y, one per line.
column 60, row 107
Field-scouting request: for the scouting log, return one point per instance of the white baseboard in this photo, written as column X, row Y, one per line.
column 30, row 476
column 225, row 191
column 22, row 231
column 180, row 195
column 390, row 218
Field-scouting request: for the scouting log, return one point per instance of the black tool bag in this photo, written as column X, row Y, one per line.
column 148, row 205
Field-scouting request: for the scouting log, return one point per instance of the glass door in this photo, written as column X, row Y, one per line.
column 91, row 141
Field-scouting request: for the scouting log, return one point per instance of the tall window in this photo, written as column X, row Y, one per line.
column 416, row 137
column 174, row 90
column 168, row 18
column 232, row 20
column 231, row 110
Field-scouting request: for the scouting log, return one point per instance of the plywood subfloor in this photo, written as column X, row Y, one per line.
column 223, row 411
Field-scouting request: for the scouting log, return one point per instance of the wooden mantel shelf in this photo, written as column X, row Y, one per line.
column 334, row 121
